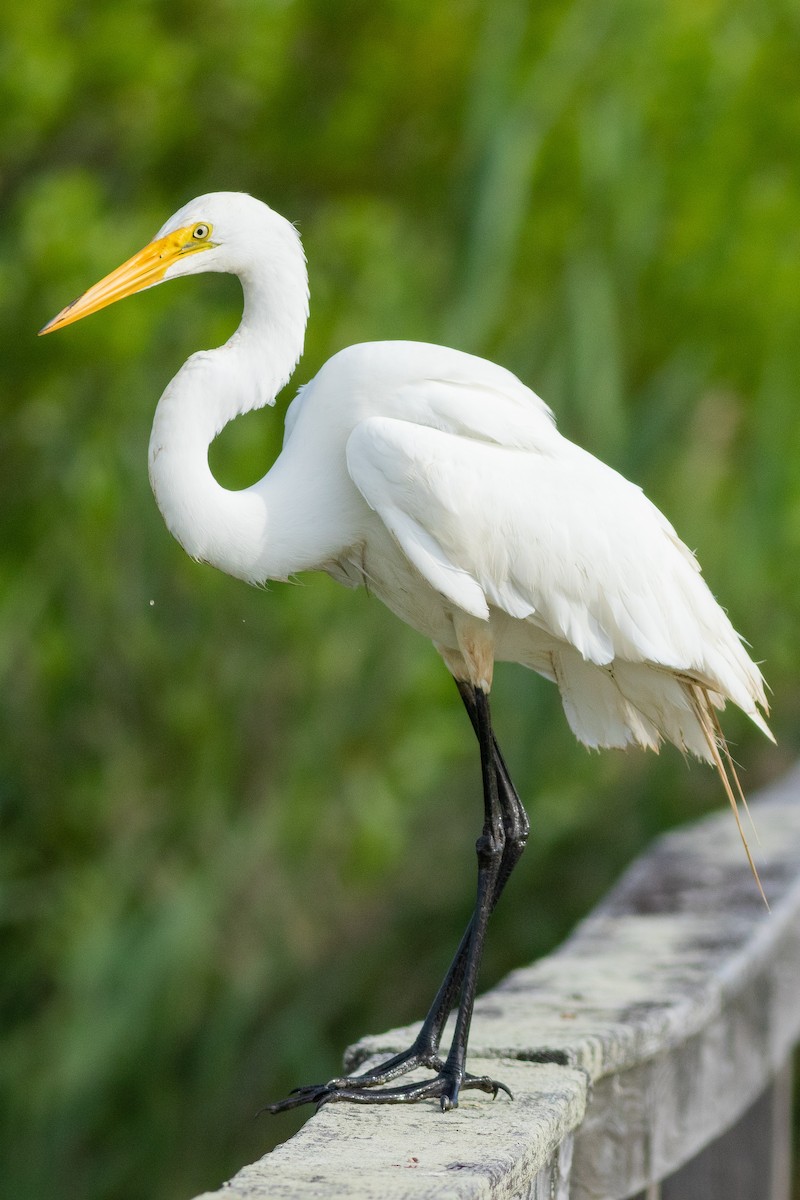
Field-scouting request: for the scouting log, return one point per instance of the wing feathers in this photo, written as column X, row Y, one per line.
column 430, row 560
column 549, row 536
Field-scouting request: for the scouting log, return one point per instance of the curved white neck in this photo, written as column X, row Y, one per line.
column 225, row 528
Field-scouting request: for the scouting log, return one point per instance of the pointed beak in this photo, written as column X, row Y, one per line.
column 144, row 270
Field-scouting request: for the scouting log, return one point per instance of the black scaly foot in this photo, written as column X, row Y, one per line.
column 443, row 1085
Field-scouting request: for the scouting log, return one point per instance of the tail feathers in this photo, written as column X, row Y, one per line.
column 637, row 704
column 628, row 704
column 599, row 714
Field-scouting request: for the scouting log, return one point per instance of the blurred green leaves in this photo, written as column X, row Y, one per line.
column 236, row 827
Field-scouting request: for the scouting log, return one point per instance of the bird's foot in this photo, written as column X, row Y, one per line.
column 420, row 1054
column 365, row 1089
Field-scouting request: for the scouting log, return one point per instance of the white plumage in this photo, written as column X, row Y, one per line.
column 439, row 481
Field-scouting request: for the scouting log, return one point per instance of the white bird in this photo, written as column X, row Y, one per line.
column 440, row 482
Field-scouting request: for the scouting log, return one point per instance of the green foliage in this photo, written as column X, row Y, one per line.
column 237, row 827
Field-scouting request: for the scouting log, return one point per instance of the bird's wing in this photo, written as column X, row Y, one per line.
column 553, row 536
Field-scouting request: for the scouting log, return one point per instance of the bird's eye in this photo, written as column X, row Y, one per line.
column 201, row 232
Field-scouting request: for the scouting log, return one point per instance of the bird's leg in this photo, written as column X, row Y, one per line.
column 499, row 795
column 425, row 1048
column 490, row 849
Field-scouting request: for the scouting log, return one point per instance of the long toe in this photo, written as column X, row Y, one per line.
column 407, row 1093
column 354, row 1087
column 392, row 1068
column 311, row 1094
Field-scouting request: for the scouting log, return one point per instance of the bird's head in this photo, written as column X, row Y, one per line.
column 221, row 231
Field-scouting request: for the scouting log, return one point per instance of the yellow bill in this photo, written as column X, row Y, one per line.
column 145, row 269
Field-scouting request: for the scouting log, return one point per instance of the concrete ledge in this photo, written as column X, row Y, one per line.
column 645, row 1036
column 484, row 1148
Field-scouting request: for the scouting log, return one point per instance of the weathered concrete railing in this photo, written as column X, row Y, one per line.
column 649, row 1056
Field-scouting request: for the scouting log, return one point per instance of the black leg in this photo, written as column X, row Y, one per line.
column 489, row 847
column 505, row 833
column 424, row 1051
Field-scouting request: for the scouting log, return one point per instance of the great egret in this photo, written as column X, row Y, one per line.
column 440, row 482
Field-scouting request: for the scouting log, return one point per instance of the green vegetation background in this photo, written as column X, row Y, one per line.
column 237, row 826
